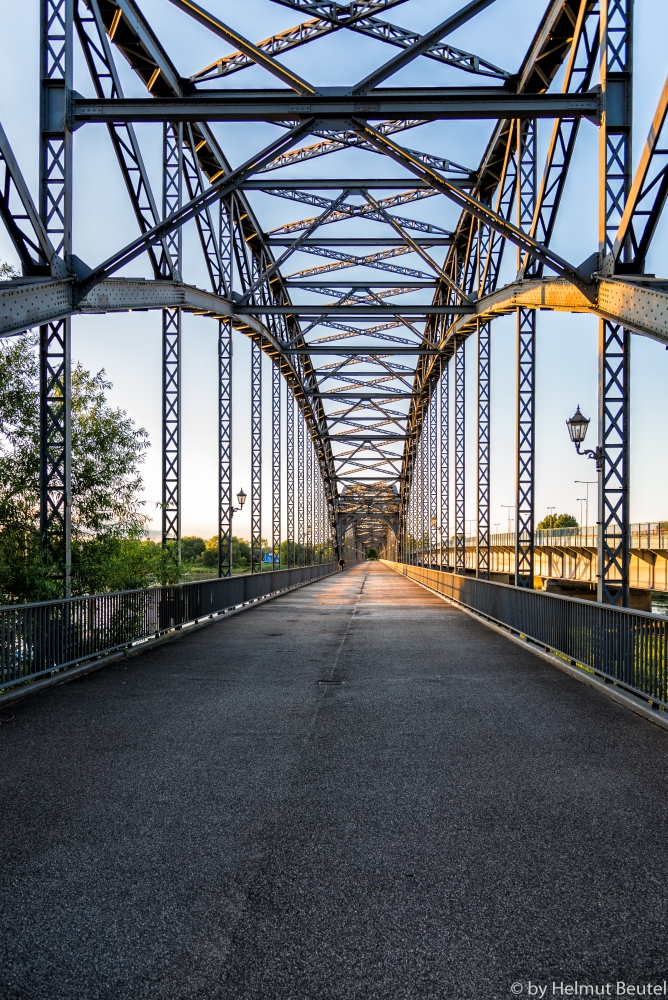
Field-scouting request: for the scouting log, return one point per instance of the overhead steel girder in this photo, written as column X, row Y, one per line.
column 641, row 307
column 25, row 303
column 360, row 21
column 345, row 184
column 548, row 51
column 349, row 311
column 131, row 34
column 280, row 106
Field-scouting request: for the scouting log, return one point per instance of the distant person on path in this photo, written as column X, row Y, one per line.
column 341, row 565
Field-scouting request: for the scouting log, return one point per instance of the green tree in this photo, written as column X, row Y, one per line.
column 107, row 450
column 192, row 548
column 372, row 553
column 241, row 554
column 558, row 521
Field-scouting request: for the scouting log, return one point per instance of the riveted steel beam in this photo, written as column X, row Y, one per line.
column 428, row 104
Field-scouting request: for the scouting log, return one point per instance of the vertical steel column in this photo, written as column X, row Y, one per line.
column 290, row 475
column 318, row 512
column 445, row 467
column 171, row 355
column 309, row 498
column 614, row 341
column 416, row 508
column 225, row 503
column 256, row 458
column 526, row 350
column 276, row 466
column 433, row 477
column 55, row 360
column 421, row 489
column 300, row 488
column 460, row 456
column 483, row 543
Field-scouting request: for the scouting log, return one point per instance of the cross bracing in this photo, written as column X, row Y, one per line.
column 419, row 285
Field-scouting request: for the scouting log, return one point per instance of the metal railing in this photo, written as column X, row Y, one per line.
column 40, row 640
column 629, row 648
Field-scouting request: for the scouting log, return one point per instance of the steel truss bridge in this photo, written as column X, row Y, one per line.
column 359, row 435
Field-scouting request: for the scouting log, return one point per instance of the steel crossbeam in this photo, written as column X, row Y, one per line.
column 430, row 104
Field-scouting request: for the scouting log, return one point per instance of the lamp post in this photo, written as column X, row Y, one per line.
column 577, row 429
column 586, row 483
column 510, row 506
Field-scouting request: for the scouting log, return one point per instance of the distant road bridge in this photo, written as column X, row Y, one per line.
column 566, row 560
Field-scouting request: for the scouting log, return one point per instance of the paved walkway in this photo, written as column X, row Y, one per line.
column 354, row 791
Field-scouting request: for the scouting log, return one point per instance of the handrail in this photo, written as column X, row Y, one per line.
column 53, row 637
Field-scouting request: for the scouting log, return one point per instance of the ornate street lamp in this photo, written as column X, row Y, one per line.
column 577, row 429
column 241, row 498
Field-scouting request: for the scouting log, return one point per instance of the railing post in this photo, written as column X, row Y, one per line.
column 615, row 143
column 55, row 356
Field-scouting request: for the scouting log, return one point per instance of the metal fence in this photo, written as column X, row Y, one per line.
column 38, row 640
column 626, row 647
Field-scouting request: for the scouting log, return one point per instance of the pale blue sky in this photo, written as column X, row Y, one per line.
column 128, row 346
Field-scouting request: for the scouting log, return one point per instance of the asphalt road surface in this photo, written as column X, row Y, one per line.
column 352, row 791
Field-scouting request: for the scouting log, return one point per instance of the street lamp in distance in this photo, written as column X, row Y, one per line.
column 577, row 429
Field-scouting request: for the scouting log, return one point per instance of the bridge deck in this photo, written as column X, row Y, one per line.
column 452, row 816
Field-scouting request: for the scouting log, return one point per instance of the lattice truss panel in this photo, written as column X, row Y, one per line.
column 406, row 241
